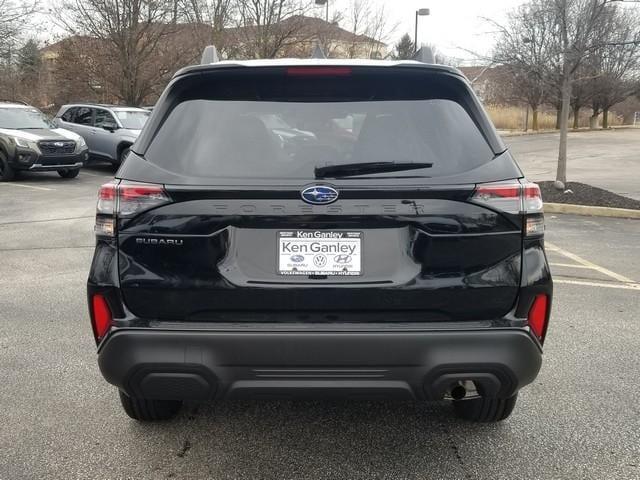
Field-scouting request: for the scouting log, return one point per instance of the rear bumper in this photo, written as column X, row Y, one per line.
column 203, row 365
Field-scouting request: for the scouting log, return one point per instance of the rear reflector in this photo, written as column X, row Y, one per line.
column 538, row 316
column 319, row 71
column 101, row 318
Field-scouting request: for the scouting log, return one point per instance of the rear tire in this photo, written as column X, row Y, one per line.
column 146, row 410
column 485, row 410
column 7, row 173
column 69, row 173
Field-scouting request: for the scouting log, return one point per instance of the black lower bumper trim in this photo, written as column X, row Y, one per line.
column 201, row 365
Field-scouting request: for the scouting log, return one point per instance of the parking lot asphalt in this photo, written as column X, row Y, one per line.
column 606, row 159
column 60, row 420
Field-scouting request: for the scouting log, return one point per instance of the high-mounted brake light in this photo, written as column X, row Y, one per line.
column 125, row 200
column 319, row 71
column 538, row 317
column 514, row 198
column 101, row 317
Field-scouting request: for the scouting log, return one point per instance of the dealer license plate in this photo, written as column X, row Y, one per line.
column 319, row 252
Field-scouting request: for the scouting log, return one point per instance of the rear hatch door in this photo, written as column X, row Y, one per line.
column 265, row 222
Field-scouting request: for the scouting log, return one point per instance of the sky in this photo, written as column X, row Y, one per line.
column 454, row 26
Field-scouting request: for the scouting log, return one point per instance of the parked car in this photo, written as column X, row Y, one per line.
column 408, row 264
column 109, row 130
column 30, row 141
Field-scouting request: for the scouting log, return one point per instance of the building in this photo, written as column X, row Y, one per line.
column 81, row 68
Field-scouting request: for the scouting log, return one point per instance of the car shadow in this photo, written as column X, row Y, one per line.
column 300, row 439
column 98, row 168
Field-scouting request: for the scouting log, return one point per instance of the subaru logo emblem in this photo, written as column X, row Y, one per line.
column 58, row 144
column 319, row 195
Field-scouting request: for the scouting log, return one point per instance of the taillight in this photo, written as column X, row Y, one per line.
column 506, row 197
column 125, row 200
column 136, row 198
column 538, row 316
column 514, row 198
column 101, row 317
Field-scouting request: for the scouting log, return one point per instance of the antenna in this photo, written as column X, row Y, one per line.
column 209, row 55
column 318, row 52
column 425, row 55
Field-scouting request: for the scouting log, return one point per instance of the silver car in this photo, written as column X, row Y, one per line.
column 108, row 130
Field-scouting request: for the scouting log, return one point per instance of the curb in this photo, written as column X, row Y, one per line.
column 531, row 133
column 591, row 211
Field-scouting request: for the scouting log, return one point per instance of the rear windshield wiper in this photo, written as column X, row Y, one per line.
column 351, row 169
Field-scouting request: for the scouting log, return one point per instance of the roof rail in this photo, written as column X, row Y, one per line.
column 425, row 55
column 209, row 55
column 3, row 100
column 318, row 52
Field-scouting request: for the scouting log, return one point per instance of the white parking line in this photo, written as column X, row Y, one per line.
column 569, row 265
column 623, row 286
column 96, row 175
column 588, row 264
column 13, row 184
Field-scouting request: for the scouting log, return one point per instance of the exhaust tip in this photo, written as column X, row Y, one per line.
column 458, row 392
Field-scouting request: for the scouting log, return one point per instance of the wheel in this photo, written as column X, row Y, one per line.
column 485, row 410
column 73, row 173
column 145, row 410
column 7, row 173
column 123, row 155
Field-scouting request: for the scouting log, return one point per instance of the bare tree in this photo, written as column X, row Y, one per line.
column 370, row 27
column 217, row 14
column 265, row 28
column 581, row 27
column 13, row 17
column 570, row 31
column 526, row 50
column 615, row 65
column 128, row 35
column 14, row 20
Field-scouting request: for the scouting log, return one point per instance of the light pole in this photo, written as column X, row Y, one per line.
column 422, row 12
column 324, row 2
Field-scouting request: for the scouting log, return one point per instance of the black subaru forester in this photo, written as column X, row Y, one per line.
column 319, row 228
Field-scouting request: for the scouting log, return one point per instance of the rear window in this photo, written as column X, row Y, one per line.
column 278, row 126
column 132, row 119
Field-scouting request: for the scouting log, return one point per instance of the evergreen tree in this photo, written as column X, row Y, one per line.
column 405, row 48
column 29, row 62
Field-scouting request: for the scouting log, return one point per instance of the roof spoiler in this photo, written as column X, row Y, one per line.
column 209, row 55
column 425, row 55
